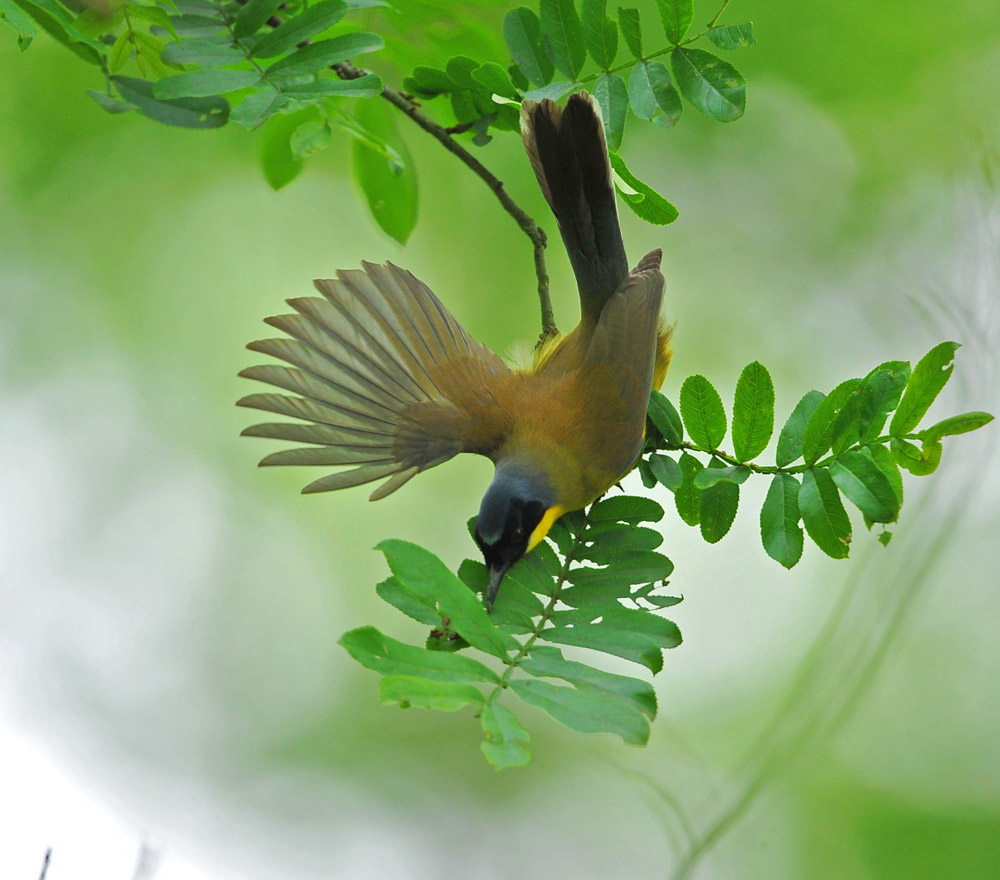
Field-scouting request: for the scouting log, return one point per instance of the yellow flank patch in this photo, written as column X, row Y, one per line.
column 542, row 529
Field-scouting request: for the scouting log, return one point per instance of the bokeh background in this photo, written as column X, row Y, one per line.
column 173, row 702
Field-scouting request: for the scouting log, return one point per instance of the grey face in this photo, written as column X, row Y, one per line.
column 510, row 511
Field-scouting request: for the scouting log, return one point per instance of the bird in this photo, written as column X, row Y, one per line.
column 384, row 379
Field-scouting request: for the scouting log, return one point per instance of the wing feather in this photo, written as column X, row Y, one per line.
column 386, row 379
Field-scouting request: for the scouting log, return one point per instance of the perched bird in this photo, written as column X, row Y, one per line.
column 387, row 380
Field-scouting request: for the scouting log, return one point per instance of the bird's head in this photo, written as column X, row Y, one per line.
column 517, row 512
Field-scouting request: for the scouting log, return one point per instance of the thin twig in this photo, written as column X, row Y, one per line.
column 404, row 102
column 45, row 863
column 346, row 70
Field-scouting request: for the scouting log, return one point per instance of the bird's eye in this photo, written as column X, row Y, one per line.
column 517, row 534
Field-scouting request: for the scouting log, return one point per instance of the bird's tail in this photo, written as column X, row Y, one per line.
column 367, row 368
column 570, row 158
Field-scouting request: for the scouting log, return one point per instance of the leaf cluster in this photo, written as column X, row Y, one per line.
column 840, row 438
column 568, row 45
column 594, row 586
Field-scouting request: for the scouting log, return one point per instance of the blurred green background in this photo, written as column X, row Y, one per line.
column 169, row 614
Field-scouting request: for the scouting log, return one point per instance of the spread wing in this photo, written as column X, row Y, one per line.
column 384, row 379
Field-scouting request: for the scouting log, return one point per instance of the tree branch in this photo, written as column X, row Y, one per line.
column 346, row 70
column 403, row 102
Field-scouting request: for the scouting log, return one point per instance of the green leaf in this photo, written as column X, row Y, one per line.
column 523, row 34
column 718, row 505
column 91, row 22
column 926, row 381
column 52, row 18
column 628, row 19
column 358, row 131
column 600, row 33
column 823, row 513
column 633, row 634
column 625, row 508
column 818, row 435
column 377, row 651
column 960, row 424
column 865, row 486
column 152, row 15
column 732, row 36
column 420, row 608
column 845, row 431
column 147, row 53
column 204, row 52
column 790, row 438
column 918, row 461
column 688, row 496
column 429, row 82
column 719, row 473
column 506, row 740
column 596, row 585
column 643, row 199
column 651, row 94
column 676, row 16
column 323, row 54
column 779, row 521
column 714, row 86
column 880, row 395
column 109, row 104
column 207, row 25
column 252, row 17
column 310, row 138
column 665, row 417
column 422, row 573
column 553, row 91
column 612, row 94
column 589, row 711
column 288, row 34
column 391, row 195
column 121, row 51
column 549, row 662
column 426, row 693
column 609, row 545
column 459, row 71
column 887, row 464
column 495, row 79
column 256, row 108
column 20, row 22
column 753, row 412
column 515, row 604
column 563, row 36
column 367, row 86
column 184, row 112
column 703, row 413
column 518, row 78
column 666, row 471
column 204, row 83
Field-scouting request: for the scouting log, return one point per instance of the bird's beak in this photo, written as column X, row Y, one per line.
column 493, row 585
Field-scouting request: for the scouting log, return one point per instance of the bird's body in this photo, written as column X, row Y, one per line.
column 388, row 381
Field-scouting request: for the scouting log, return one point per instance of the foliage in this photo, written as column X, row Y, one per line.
column 593, row 587
column 597, row 585
column 600, row 584
column 289, row 66
column 838, row 436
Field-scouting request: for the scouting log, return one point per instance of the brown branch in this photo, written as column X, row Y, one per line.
column 346, row 70
column 405, row 103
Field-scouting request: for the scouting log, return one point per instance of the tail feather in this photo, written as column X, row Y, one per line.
column 569, row 155
column 377, row 365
